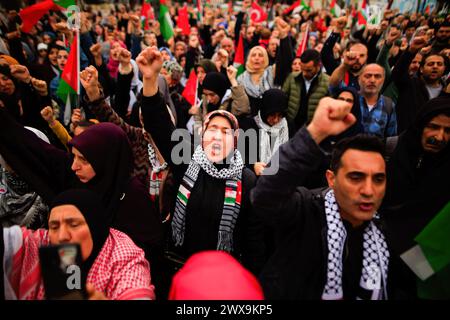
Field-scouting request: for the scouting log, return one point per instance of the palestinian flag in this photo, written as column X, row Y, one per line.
column 190, row 90
column 304, row 43
column 335, row 9
column 430, row 258
column 32, row 14
column 146, row 14
column 297, row 6
column 424, row 7
column 199, row 11
column 69, row 84
column 183, row 21
column 239, row 61
column 165, row 21
column 183, row 194
column 65, row 3
column 362, row 14
column 230, row 195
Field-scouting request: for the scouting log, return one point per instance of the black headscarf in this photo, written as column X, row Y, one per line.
column 107, row 149
column 208, row 66
column 95, row 214
column 273, row 100
column 356, row 111
column 217, row 83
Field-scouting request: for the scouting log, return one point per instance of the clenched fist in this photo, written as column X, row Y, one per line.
column 40, row 86
column 48, row 115
column 331, row 117
column 89, row 81
column 20, row 72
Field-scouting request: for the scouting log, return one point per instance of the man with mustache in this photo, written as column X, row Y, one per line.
column 417, row 187
column 377, row 111
column 328, row 244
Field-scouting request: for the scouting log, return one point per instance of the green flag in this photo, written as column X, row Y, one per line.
column 65, row 3
column 430, row 258
column 165, row 22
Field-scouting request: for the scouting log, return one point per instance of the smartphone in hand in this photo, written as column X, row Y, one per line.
column 61, row 272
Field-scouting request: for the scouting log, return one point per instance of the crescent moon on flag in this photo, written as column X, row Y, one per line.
column 255, row 15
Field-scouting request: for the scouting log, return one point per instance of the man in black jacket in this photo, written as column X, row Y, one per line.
column 413, row 92
column 417, row 186
column 328, row 244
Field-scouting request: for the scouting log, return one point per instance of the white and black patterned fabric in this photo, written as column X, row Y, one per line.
column 231, row 207
column 375, row 256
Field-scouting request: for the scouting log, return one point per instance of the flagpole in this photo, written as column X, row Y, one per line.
column 78, row 68
column 77, row 34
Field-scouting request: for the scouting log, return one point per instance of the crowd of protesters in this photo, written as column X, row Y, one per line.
column 351, row 125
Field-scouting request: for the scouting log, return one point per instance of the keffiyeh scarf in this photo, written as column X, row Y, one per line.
column 18, row 204
column 257, row 90
column 232, row 201
column 279, row 132
column 375, row 256
column 156, row 173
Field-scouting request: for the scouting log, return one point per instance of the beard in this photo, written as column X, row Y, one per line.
column 356, row 68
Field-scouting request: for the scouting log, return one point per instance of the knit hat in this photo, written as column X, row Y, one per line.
column 214, row 275
column 216, row 82
column 273, row 100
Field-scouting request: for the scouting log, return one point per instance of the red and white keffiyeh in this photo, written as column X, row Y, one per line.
column 120, row 270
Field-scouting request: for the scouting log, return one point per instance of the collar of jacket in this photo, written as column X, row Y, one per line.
column 299, row 76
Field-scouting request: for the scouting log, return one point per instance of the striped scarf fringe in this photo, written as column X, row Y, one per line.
column 232, row 201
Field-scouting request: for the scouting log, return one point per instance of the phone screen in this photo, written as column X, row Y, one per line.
column 60, row 265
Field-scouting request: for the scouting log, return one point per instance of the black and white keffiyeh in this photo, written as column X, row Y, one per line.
column 375, row 256
column 232, row 201
column 156, row 172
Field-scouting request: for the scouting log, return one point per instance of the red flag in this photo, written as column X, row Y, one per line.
column 145, row 9
column 70, row 72
column 257, row 14
column 190, row 91
column 183, row 21
column 147, row 13
column 239, row 56
column 239, row 61
column 304, row 43
column 144, row 14
column 292, row 7
column 32, row 14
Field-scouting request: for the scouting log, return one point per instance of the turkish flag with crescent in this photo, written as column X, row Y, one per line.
column 257, row 14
